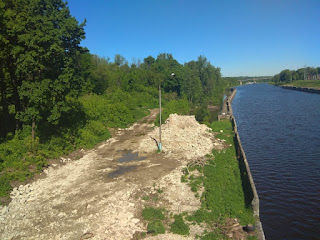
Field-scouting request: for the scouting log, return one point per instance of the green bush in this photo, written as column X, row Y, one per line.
column 115, row 111
column 93, row 133
column 179, row 226
column 56, row 146
column 156, row 227
column 5, row 186
column 180, row 106
column 152, row 214
column 20, row 158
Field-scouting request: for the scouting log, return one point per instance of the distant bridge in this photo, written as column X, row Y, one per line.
column 254, row 79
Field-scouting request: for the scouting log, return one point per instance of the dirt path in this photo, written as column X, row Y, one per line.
column 101, row 195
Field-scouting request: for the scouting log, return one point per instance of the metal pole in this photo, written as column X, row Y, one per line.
column 160, row 147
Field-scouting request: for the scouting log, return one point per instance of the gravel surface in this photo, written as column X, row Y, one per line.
column 100, row 197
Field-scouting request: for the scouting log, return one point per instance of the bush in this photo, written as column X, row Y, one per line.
column 179, row 226
column 4, row 185
column 156, row 227
column 109, row 111
column 152, row 214
column 93, row 133
column 56, row 146
column 180, row 106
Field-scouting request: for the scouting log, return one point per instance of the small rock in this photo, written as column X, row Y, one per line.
column 4, row 210
column 135, row 220
column 61, row 214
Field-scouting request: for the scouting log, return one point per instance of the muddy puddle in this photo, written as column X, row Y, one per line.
column 121, row 170
column 130, row 156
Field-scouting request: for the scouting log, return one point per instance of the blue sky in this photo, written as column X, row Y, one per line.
column 242, row 37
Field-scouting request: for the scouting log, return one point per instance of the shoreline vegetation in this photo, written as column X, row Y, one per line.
column 304, row 84
column 293, row 78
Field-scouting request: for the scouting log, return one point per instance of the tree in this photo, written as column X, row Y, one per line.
column 119, row 60
column 210, row 77
column 165, row 65
column 148, row 61
column 100, row 74
column 191, row 86
column 286, row 76
column 42, row 57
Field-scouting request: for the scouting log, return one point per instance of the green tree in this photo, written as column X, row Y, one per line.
column 42, row 58
column 286, row 76
column 191, row 85
column 148, row 61
column 100, row 74
column 170, row 71
column 119, row 60
column 276, row 79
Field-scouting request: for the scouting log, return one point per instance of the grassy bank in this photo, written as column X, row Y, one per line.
column 300, row 83
column 223, row 197
column 305, row 83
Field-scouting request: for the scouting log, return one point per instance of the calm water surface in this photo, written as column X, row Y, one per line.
column 280, row 133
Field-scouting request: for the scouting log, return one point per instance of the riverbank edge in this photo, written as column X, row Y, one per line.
column 253, row 194
column 303, row 89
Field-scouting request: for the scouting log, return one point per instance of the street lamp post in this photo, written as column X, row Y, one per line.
column 160, row 142
column 160, row 147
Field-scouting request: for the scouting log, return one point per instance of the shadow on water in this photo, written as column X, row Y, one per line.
column 130, row 156
column 121, row 170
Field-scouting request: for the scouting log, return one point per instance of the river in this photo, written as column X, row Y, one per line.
column 280, row 133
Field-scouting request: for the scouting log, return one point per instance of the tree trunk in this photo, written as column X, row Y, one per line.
column 4, row 129
column 16, row 98
column 33, row 129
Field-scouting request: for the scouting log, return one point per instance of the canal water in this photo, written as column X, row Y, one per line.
column 280, row 133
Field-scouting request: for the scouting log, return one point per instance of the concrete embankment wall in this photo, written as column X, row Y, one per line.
column 249, row 187
column 226, row 112
column 302, row 89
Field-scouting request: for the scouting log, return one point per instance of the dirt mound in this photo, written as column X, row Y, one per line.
column 183, row 136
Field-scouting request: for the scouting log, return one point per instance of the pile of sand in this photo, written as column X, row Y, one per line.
column 183, row 136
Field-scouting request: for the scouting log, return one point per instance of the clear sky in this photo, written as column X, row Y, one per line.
column 242, row 37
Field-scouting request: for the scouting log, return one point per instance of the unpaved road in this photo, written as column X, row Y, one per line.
column 101, row 195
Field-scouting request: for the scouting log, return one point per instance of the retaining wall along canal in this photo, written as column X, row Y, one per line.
column 248, row 184
column 226, row 112
column 302, row 89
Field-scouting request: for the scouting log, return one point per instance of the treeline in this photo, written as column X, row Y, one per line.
column 56, row 96
column 287, row 75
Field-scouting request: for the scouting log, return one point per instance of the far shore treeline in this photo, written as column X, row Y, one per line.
column 287, row 76
column 56, row 96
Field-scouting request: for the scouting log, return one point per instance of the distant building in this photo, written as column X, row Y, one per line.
column 313, row 77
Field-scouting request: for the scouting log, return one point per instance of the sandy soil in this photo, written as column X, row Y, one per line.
column 101, row 195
